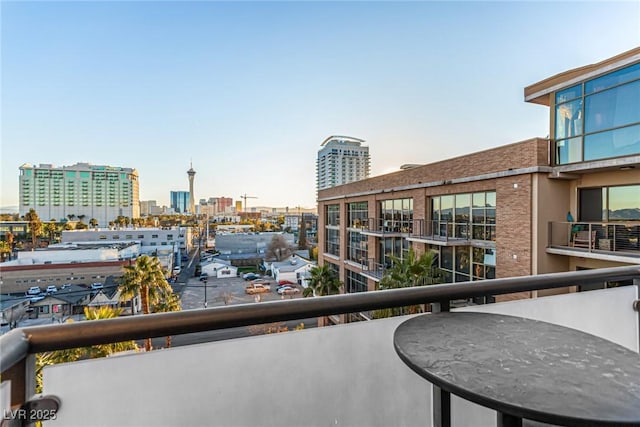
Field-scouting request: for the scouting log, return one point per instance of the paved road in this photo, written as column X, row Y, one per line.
column 220, row 292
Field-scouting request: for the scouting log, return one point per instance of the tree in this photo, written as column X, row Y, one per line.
column 51, row 230
column 302, row 236
column 147, row 279
column 279, row 248
column 407, row 272
column 93, row 223
column 72, row 355
column 323, row 281
column 167, row 302
column 71, row 217
column 35, row 226
column 81, row 225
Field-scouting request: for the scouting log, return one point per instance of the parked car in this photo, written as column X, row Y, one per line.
column 257, row 289
column 286, row 282
column 34, row 290
column 287, row 290
column 66, row 285
column 261, row 281
column 204, row 276
column 250, row 276
column 51, row 289
column 95, row 286
column 177, row 269
column 36, row 298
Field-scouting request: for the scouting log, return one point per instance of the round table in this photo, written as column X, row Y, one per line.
column 524, row 368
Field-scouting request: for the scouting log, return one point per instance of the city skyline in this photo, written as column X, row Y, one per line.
column 249, row 90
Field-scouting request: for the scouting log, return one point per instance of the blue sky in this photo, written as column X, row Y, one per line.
column 247, row 91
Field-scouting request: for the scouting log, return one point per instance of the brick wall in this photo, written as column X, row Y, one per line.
column 524, row 154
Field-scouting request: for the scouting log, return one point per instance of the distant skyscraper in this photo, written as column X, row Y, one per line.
column 192, row 199
column 180, row 201
column 341, row 160
column 82, row 191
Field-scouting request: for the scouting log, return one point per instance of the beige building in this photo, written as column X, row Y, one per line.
column 542, row 205
column 81, row 191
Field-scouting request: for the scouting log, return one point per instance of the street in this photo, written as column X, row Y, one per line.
column 220, row 292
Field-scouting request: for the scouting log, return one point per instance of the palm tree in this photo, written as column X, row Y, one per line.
column 72, row 355
column 323, row 281
column 167, row 302
column 147, row 279
column 50, row 229
column 93, row 223
column 407, row 272
column 35, row 226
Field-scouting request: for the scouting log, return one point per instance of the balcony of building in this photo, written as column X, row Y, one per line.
column 451, row 233
column 347, row 374
column 385, row 227
column 372, row 269
column 609, row 241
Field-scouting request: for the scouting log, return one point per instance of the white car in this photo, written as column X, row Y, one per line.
column 51, row 289
column 177, row 269
column 95, row 286
column 34, row 290
column 287, row 290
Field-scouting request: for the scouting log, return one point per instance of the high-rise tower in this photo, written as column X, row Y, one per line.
column 192, row 199
column 341, row 160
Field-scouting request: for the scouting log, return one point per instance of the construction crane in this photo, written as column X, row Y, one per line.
column 245, row 197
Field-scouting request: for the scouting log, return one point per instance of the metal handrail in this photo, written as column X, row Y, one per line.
column 17, row 344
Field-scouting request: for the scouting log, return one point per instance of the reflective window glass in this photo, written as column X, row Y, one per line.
column 463, row 202
column 614, row 143
column 491, row 199
column 478, row 200
column 612, row 108
column 569, row 93
column 462, row 260
column 446, row 208
column 613, row 79
column 446, row 258
column 624, row 203
column 568, row 151
column 569, row 119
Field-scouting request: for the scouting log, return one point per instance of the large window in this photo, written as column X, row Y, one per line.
column 620, row 203
column 397, row 215
column 356, row 282
column 392, row 246
column 357, row 246
column 465, row 263
column 465, row 216
column 599, row 118
column 333, row 215
column 358, row 213
column 332, row 245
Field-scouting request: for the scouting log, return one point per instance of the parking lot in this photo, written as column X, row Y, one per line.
column 226, row 291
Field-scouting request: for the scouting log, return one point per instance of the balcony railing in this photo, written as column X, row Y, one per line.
column 450, row 232
column 608, row 237
column 373, row 269
column 281, row 379
column 387, row 227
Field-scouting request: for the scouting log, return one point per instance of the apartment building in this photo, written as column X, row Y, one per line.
column 80, row 191
column 565, row 203
column 341, row 160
